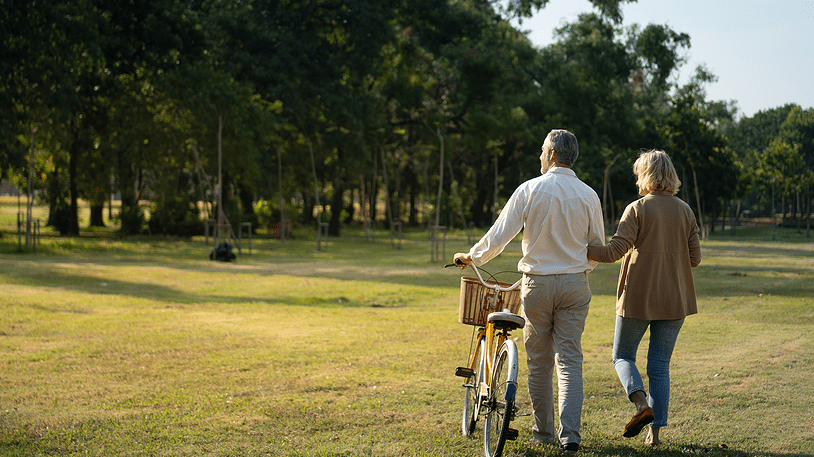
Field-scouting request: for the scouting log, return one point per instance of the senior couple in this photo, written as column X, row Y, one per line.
column 563, row 239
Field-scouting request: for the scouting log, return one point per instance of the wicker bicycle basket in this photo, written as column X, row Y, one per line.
column 477, row 301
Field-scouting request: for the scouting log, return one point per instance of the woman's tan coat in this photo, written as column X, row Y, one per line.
column 658, row 237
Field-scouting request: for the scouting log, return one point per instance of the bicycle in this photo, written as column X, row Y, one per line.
column 491, row 376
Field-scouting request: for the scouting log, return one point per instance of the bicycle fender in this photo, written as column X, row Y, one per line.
column 511, row 388
column 511, row 391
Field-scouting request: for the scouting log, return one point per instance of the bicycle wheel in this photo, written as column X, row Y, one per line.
column 470, row 413
column 501, row 400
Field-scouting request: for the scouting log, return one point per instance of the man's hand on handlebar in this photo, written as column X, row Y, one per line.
column 462, row 260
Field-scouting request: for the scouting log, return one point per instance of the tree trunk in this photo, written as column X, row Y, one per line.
column 374, row 189
column 130, row 213
column 374, row 201
column 457, row 198
column 387, row 195
column 307, row 209
column 774, row 223
column 808, row 212
column 697, row 201
column 247, row 202
column 219, row 235
column 414, row 192
column 97, row 213
column 351, row 208
column 736, row 217
column 53, row 196
column 425, row 174
column 606, row 193
column 440, row 179
column 413, row 217
column 798, row 213
column 336, row 210
column 481, row 200
column 783, row 209
column 280, row 199
column 73, row 159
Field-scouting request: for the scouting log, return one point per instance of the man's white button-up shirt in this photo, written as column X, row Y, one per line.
column 559, row 215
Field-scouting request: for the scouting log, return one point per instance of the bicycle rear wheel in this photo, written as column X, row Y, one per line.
column 471, row 387
column 501, row 401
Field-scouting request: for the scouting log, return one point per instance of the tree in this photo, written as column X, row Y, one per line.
column 655, row 49
column 700, row 154
column 798, row 130
column 120, row 92
column 610, row 9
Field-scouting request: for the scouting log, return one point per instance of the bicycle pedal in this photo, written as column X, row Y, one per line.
column 464, row 372
column 511, row 434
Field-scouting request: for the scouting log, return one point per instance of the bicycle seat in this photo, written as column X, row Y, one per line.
column 506, row 319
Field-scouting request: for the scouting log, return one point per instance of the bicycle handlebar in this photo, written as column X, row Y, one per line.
column 496, row 287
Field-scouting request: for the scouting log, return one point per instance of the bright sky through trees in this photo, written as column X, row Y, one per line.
column 762, row 52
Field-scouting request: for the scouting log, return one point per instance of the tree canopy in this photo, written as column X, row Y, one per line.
column 355, row 99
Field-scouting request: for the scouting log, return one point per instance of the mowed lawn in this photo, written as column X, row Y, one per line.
column 145, row 347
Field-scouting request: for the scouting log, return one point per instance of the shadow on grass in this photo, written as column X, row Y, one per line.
column 161, row 294
column 713, row 281
column 768, row 249
column 353, row 259
column 666, row 450
column 753, row 280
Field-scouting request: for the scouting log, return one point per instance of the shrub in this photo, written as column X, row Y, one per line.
column 176, row 216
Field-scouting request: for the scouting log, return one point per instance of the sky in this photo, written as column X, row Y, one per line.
column 762, row 51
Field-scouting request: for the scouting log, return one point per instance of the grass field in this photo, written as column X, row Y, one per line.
column 144, row 347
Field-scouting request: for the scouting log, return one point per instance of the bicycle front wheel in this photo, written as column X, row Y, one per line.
column 501, row 400
column 472, row 385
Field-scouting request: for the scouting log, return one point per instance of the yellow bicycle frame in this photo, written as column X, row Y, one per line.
column 493, row 342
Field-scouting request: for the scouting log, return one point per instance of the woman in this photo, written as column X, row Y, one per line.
column 658, row 238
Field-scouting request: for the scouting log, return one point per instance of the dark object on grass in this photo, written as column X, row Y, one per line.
column 223, row 253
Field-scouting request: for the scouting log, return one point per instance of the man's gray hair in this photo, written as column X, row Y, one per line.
column 566, row 145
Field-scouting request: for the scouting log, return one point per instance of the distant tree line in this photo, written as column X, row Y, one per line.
column 437, row 106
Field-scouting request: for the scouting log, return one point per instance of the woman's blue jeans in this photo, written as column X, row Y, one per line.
column 663, row 335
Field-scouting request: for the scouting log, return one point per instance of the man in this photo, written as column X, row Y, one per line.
column 560, row 216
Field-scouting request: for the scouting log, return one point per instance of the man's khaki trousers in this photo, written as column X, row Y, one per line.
column 555, row 308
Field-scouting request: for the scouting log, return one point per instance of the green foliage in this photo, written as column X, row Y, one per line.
column 346, row 92
column 798, row 129
column 178, row 216
column 268, row 212
column 265, row 213
column 131, row 220
column 60, row 217
column 699, row 152
column 776, row 147
column 656, row 48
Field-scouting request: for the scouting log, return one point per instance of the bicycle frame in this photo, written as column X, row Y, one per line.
column 491, row 376
column 494, row 340
column 488, row 335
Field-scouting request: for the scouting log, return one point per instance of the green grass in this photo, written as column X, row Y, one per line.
column 144, row 347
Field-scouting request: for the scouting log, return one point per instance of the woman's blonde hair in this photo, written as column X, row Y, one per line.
column 655, row 172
